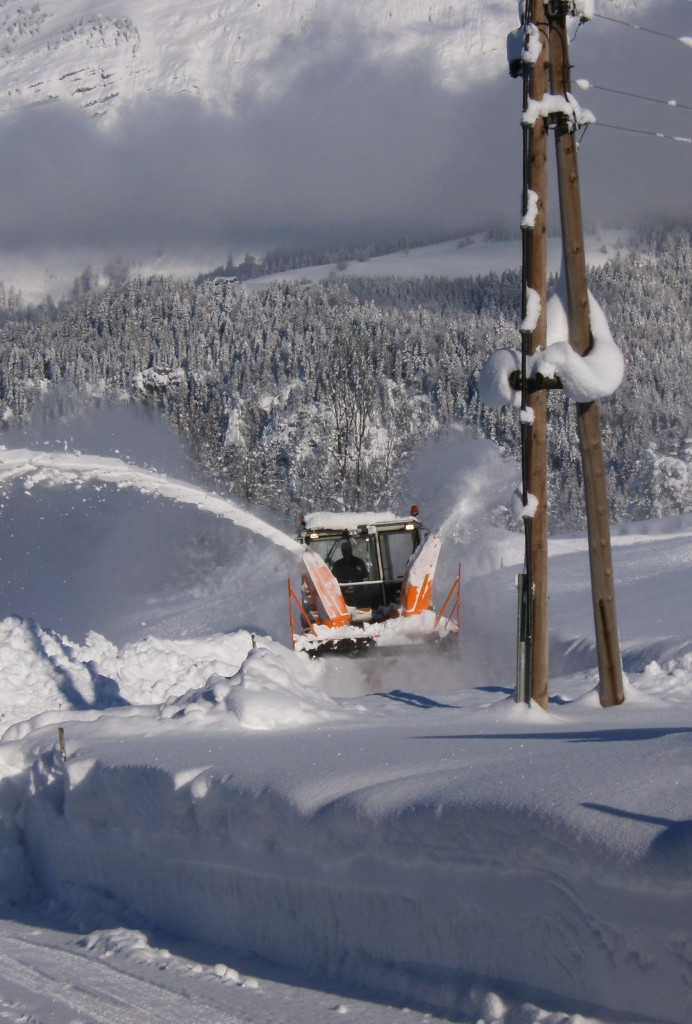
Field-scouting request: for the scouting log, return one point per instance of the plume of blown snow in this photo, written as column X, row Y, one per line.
column 462, row 486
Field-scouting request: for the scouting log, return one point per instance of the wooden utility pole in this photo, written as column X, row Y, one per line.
column 535, row 241
column 598, row 522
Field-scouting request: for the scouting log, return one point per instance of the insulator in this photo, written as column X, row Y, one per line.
column 556, row 8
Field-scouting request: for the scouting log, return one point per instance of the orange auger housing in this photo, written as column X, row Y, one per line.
column 367, row 580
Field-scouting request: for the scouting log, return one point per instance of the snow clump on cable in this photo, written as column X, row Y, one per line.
column 598, row 374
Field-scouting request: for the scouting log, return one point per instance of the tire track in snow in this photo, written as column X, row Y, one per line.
column 48, row 983
column 46, row 979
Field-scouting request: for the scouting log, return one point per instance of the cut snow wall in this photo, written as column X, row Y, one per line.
column 385, row 903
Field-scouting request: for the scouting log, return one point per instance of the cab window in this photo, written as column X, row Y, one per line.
column 397, row 547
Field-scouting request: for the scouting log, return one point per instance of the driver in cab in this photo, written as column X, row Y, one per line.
column 349, row 568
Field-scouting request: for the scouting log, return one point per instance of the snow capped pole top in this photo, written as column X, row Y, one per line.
column 584, row 9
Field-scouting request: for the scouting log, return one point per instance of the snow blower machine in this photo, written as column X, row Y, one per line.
column 367, row 582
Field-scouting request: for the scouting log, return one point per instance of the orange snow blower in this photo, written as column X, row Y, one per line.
column 367, row 582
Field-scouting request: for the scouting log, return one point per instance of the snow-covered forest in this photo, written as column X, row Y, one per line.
column 314, row 395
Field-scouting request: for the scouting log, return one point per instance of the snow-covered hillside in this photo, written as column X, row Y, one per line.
column 238, row 833
column 470, row 256
column 100, row 54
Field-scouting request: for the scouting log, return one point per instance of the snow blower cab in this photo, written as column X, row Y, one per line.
column 367, row 581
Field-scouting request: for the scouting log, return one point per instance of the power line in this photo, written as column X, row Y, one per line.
column 642, row 131
column 583, row 83
column 685, row 40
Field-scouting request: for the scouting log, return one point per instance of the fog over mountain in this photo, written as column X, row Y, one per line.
column 166, row 133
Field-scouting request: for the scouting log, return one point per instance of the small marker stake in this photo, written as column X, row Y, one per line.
column 61, row 744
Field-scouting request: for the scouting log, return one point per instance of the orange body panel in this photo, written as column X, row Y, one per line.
column 325, row 591
column 416, row 590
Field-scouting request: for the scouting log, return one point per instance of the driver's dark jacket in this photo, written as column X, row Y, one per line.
column 350, row 569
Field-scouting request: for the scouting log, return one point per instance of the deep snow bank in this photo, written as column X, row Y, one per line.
column 400, row 843
column 43, row 670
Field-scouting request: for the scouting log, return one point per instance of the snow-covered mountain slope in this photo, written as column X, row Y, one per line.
column 466, row 257
column 99, row 54
column 470, row 256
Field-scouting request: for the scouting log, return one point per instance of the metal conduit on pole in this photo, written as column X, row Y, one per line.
column 611, row 690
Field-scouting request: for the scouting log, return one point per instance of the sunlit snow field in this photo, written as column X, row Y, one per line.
column 237, row 826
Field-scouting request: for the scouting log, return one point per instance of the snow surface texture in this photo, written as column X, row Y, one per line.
column 99, row 54
column 402, row 826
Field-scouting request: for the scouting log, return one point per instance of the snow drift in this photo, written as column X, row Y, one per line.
column 398, row 825
column 414, row 845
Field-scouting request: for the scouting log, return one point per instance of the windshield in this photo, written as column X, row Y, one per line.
column 363, row 547
column 397, row 547
column 326, row 547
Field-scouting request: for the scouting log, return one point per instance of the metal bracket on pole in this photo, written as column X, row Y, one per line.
column 522, row 692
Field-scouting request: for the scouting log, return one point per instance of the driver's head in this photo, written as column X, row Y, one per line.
column 347, row 549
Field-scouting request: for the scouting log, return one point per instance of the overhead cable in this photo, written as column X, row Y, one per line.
column 686, row 40
column 642, row 131
column 583, row 83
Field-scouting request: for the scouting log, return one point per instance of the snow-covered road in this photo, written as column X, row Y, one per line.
column 58, row 976
column 45, row 976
